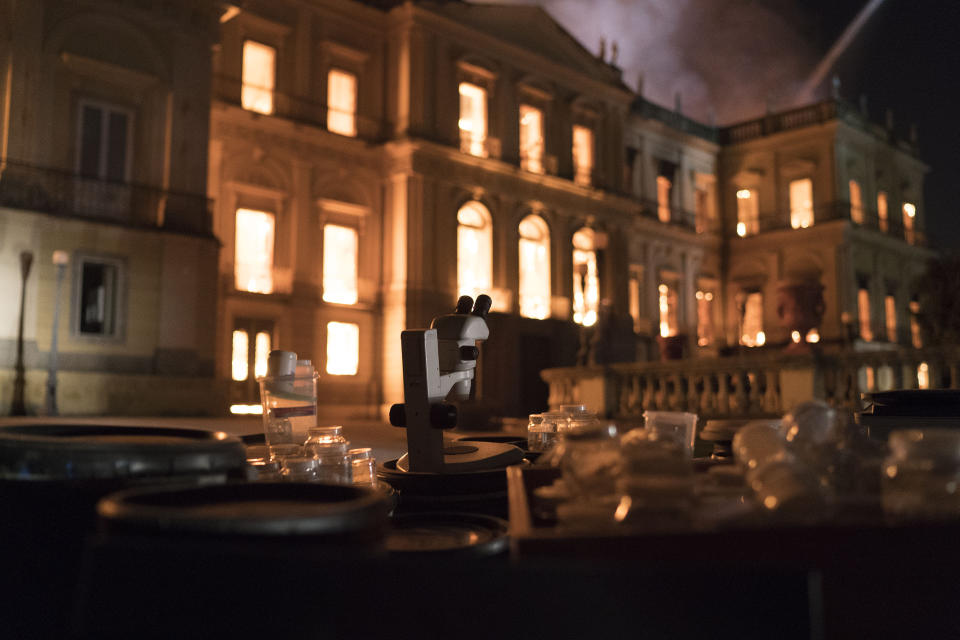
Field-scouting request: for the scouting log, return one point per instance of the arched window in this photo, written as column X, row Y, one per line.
column 474, row 250
column 586, row 284
column 534, row 267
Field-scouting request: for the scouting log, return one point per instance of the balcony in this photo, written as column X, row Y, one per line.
column 839, row 210
column 749, row 385
column 65, row 193
column 294, row 108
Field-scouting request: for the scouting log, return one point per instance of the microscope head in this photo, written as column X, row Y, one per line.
column 457, row 337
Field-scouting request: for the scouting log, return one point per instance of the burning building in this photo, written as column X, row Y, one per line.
column 361, row 164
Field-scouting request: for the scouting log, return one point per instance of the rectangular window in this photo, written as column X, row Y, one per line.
column 801, row 203
column 667, row 298
column 856, row 202
column 890, row 315
column 340, row 278
column 473, row 119
column 635, row 287
column 343, row 348
column 909, row 217
column 863, row 311
column 916, row 338
column 253, row 259
column 664, row 188
column 531, row 139
column 342, row 102
column 104, row 142
column 98, row 297
column 260, row 353
column 882, row 215
column 257, row 77
column 582, row 155
column 752, row 334
column 748, row 213
column 704, row 318
column 239, row 367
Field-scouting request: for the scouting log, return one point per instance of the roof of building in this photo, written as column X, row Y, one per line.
column 531, row 28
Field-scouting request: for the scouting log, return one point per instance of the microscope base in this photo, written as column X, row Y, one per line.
column 473, row 456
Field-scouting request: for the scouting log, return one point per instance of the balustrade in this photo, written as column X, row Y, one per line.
column 751, row 385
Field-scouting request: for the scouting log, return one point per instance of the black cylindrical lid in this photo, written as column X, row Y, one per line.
column 467, row 534
column 72, row 452
column 248, row 509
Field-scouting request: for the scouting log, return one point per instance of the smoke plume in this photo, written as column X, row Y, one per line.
column 729, row 60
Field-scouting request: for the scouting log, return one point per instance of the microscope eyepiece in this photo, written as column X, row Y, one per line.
column 482, row 305
column 464, row 304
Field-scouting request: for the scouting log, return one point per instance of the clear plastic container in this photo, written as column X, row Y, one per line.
column 921, row 476
column 299, row 469
column 363, row 466
column 289, row 407
column 679, row 425
column 656, row 481
column 591, row 460
column 332, row 452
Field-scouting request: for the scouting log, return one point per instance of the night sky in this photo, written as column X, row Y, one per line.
column 729, row 59
column 907, row 58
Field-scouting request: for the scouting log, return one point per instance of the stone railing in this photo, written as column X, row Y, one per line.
column 751, row 385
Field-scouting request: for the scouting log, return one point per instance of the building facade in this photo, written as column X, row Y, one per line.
column 104, row 110
column 368, row 162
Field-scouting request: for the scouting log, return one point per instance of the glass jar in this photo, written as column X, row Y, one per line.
column 332, row 452
column 318, row 437
column 921, row 476
column 560, row 423
column 299, row 469
column 542, row 430
column 363, row 466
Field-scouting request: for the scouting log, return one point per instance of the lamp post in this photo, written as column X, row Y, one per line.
column 60, row 260
column 18, row 407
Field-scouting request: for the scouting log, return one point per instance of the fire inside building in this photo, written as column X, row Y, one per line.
column 199, row 184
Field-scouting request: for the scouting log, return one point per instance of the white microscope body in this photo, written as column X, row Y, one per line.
column 439, row 365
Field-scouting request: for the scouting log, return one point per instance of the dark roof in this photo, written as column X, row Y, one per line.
column 531, row 28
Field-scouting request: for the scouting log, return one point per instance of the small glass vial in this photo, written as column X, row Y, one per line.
column 364, row 466
column 331, row 451
column 299, row 469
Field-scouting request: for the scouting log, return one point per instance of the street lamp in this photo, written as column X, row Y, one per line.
column 60, row 260
column 18, row 406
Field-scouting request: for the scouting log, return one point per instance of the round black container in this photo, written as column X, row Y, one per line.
column 483, row 492
column 196, row 561
column 51, row 477
column 315, row 518
column 436, row 535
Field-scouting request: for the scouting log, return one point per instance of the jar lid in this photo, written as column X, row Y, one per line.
column 361, row 453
